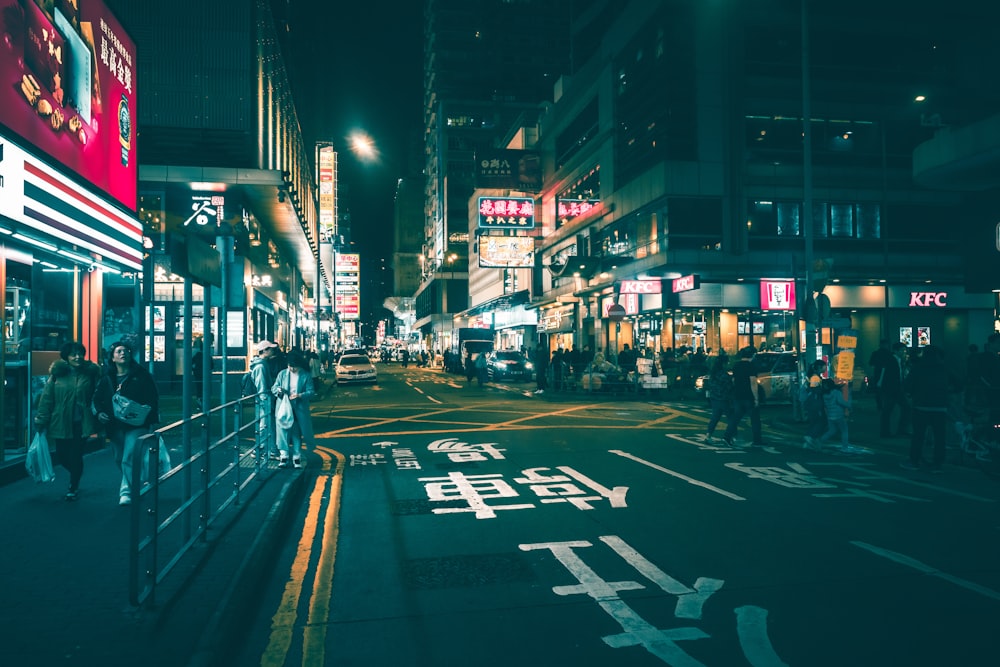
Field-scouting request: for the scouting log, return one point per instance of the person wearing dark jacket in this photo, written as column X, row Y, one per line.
column 928, row 384
column 64, row 409
column 133, row 381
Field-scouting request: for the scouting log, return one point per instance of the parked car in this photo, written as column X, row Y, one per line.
column 508, row 364
column 355, row 368
column 777, row 377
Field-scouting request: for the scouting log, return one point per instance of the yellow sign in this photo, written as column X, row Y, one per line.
column 845, row 366
column 847, row 342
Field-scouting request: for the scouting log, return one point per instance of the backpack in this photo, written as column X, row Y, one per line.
column 813, row 404
column 247, row 386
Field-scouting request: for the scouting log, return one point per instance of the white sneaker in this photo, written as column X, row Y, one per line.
column 539, row 391
column 283, row 461
column 297, row 462
column 125, row 500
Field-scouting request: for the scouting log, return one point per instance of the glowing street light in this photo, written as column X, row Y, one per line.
column 363, row 146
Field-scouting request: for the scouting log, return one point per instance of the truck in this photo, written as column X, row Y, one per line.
column 468, row 340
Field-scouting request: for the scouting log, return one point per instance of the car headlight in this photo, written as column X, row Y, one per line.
column 528, row 366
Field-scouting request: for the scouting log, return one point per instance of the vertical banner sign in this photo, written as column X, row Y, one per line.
column 327, row 170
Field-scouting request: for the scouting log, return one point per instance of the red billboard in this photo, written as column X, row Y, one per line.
column 68, row 73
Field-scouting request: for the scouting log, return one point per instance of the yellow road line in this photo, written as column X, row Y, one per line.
column 283, row 621
column 314, row 634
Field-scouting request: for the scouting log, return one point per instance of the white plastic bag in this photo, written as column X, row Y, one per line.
column 284, row 415
column 164, row 459
column 39, row 460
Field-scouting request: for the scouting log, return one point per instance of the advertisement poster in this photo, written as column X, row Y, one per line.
column 923, row 336
column 506, row 252
column 906, row 336
column 777, row 295
column 68, row 75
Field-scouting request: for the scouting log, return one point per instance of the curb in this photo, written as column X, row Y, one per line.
column 221, row 630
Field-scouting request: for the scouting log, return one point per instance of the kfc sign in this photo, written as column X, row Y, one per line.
column 928, row 299
column 777, row 295
column 640, row 287
column 686, row 283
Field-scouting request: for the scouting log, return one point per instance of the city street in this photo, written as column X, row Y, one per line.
column 445, row 523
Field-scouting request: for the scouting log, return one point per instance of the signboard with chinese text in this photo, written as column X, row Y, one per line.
column 327, row 170
column 568, row 209
column 69, row 89
column 506, row 252
column 777, row 295
column 506, row 213
column 348, row 282
column 508, row 169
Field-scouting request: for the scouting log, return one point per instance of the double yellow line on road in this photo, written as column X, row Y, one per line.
column 283, row 622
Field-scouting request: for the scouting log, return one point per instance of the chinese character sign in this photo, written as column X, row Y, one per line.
column 70, row 89
column 507, row 213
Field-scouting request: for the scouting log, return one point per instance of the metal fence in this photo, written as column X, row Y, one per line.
column 218, row 460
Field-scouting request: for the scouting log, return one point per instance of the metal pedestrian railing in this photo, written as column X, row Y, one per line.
column 218, row 459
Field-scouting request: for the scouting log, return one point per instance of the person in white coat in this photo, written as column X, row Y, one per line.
column 296, row 383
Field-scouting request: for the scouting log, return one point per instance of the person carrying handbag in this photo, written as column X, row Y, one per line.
column 296, row 383
column 64, row 412
column 133, row 382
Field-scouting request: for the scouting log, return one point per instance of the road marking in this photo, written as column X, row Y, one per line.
column 751, row 627
column 284, row 619
column 927, row 569
column 314, row 634
column 674, row 473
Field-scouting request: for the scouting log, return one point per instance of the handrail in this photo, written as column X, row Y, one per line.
column 193, row 497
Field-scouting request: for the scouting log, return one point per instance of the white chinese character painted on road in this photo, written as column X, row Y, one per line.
column 636, row 631
column 462, row 452
column 475, row 490
column 796, row 476
column 367, row 459
column 561, row 489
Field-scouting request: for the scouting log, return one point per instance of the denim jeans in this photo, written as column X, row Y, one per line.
column 741, row 406
column 128, row 454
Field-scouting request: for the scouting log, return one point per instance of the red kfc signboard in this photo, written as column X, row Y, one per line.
column 68, row 75
column 640, row 287
column 777, row 295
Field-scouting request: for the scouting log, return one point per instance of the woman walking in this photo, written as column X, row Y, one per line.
column 295, row 382
column 131, row 380
column 64, row 409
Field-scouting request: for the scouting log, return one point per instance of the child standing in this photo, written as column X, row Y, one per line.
column 837, row 408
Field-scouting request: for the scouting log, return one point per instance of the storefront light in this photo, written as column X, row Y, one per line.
column 41, row 244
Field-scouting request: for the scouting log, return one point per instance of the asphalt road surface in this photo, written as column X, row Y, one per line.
column 447, row 524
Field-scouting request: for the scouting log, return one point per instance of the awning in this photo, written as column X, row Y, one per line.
column 505, row 302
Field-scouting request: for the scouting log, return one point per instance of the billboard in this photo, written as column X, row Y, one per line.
column 506, row 252
column 508, row 169
column 68, row 75
column 506, row 213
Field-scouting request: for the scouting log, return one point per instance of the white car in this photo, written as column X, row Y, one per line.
column 355, row 368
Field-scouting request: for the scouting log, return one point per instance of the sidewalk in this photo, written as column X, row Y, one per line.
column 64, row 598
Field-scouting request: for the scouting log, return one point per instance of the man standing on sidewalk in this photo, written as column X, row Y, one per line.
column 930, row 383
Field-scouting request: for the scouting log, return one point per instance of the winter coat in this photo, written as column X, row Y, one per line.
column 835, row 404
column 260, row 373
column 929, row 385
column 66, row 397
column 136, row 384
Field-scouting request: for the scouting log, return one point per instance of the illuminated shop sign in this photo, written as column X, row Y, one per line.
column 568, row 209
column 777, row 295
column 641, row 287
column 507, row 213
column 686, row 283
column 69, row 89
column 506, row 252
column 327, row 170
column 928, row 299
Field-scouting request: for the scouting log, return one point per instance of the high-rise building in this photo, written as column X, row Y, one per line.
column 486, row 63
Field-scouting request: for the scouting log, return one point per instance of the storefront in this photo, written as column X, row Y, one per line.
column 66, row 258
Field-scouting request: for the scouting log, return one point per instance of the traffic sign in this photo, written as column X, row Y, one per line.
column 616, row 312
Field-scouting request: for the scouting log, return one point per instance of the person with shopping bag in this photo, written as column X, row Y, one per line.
column 128, row 404
column 294, row 389
column 64, row 413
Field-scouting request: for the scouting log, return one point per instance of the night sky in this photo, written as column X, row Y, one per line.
column 359, row 66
